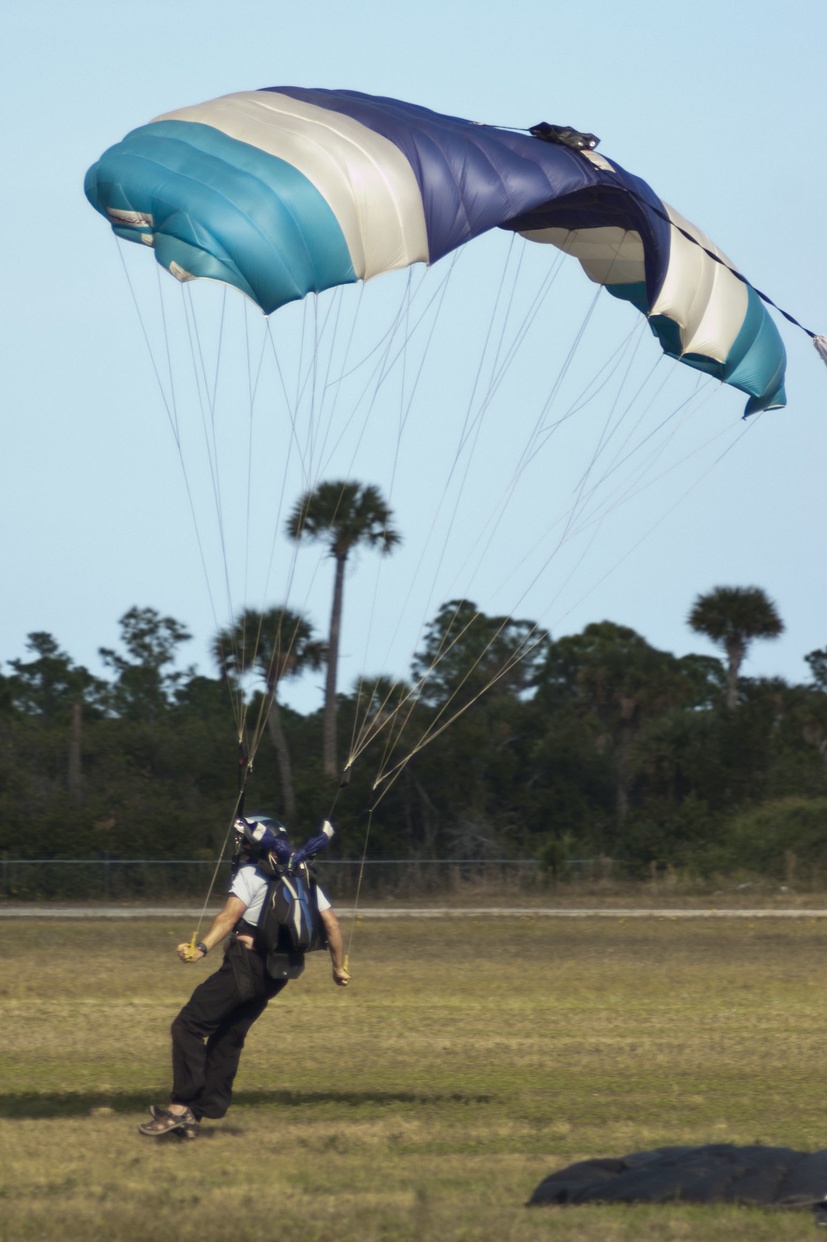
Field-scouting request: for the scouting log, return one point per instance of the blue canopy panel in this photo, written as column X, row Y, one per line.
column 214, row 207
column 471, row 178
column 286, row 191
column 703, row 313
column 754, row 363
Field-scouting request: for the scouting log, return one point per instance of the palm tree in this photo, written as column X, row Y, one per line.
column 733, row 617
column 275, row 644
column 343, row 515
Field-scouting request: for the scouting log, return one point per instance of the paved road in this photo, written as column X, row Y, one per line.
column 40, row 911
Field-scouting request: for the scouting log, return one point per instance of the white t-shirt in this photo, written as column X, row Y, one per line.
column 250, row 886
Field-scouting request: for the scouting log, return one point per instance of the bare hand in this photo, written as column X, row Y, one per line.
column 341, row 976
column 188, row 954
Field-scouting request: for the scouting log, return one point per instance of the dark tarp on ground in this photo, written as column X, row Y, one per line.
column 714, row 1173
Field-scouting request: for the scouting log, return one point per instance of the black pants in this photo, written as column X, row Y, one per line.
column 209, row 1032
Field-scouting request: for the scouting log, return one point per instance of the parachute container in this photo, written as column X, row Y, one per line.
column 284, row 191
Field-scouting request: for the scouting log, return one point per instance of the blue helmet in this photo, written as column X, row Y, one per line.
column 262, row 834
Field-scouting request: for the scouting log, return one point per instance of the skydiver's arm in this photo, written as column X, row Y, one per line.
column 336, row 947
column 221, row 926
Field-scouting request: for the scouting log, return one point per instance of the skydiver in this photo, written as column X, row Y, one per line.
column 209, row 1032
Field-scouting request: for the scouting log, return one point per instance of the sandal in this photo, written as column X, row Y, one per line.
column 190, row 1131
column 165, row 1122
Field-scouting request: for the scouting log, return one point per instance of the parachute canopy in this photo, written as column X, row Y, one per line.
column 284, row 191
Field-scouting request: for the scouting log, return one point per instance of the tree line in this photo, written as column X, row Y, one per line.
column 504, row 742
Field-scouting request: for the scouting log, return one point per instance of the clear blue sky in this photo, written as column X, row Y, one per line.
column 717, row 106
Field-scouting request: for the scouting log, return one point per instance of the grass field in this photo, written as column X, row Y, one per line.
column 469, row 1059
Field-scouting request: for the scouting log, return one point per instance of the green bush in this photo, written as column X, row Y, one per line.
column 781, row 840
